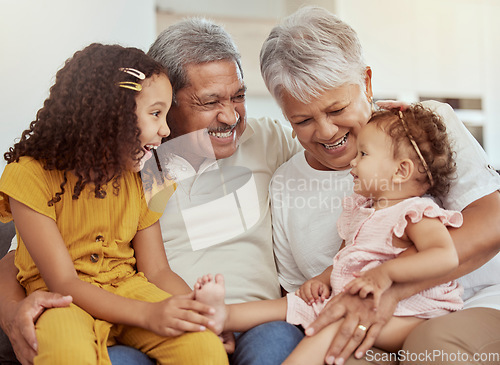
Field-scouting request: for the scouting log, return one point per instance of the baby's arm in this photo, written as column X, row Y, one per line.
column 317, row 288
column 48, row 250
column 436, row 256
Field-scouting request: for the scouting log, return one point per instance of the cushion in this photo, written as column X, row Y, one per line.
column 7, row 231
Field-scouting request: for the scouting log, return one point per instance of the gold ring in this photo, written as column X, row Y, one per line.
column 362, row 328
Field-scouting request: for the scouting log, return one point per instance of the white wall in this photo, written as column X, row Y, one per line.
column 445, row 48
column 491, row 39
column 256, row 9
column 37, row 36
column 434, row 47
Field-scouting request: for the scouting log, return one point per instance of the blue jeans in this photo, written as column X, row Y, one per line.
column 267, row 344
column 124, row 355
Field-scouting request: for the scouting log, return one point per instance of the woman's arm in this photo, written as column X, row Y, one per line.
column 46, row 246
column 476, row 242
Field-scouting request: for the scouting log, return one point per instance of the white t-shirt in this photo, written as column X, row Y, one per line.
column 219, row 218
column 306, row 204
column 306, row 239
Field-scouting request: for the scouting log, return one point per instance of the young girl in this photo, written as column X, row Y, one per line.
column 73, row 189
column 401, row 156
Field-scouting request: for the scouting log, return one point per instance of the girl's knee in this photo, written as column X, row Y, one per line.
column 66, row 336
column 73, row 351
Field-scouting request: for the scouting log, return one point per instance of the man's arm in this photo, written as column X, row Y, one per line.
column 476, row 241
column 19, row 313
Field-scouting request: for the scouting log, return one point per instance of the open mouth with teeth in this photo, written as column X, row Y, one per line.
column 223, row 132
column 340, row 143
column 148, row 151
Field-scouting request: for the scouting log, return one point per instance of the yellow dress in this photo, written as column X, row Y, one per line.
column 97, row 233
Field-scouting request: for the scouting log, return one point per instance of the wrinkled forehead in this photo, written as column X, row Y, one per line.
column 213, row 72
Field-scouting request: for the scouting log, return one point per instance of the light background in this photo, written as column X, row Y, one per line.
column 425, row 48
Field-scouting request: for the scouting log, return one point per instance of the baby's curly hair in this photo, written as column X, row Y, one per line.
column 88, row 124
column 429, row 132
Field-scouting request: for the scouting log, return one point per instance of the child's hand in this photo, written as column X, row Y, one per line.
column 374, row 281
column 178, row 314
column 313, row 291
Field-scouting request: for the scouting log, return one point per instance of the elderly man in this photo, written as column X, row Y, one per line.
column 218, row 220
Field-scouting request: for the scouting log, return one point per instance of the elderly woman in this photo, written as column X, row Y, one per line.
column 312, row 64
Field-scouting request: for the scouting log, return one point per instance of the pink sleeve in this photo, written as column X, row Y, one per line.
column 425, row 207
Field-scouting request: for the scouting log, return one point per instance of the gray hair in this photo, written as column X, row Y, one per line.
column 192, row 41
column 309, row 52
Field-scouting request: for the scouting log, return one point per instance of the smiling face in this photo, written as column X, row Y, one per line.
column 327, row 127
column 153, row 103
column 375, row 166
column 212, row 103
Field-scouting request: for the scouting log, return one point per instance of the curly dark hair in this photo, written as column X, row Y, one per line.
column 88, row 124
column 429, row 132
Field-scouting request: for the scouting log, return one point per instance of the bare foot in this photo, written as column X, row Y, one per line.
column 212, row 292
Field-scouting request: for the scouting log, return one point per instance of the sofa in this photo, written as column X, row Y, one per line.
column 7, row 232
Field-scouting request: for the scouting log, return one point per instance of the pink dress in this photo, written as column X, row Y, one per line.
column 368, row 236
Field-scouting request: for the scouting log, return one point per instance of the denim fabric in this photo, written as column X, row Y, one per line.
column 124, row 355
column 267, row 344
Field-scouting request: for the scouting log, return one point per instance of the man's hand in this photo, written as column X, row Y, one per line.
column 19, row 318
column 361, row 325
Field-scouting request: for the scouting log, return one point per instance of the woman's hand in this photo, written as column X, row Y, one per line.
column 361, row 325
column 177, row 315
column 19, row 318
column 392, row 104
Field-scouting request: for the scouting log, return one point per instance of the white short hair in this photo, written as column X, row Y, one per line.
column 309, row 52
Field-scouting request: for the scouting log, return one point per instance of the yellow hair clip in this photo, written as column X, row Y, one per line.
column 130, row 85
